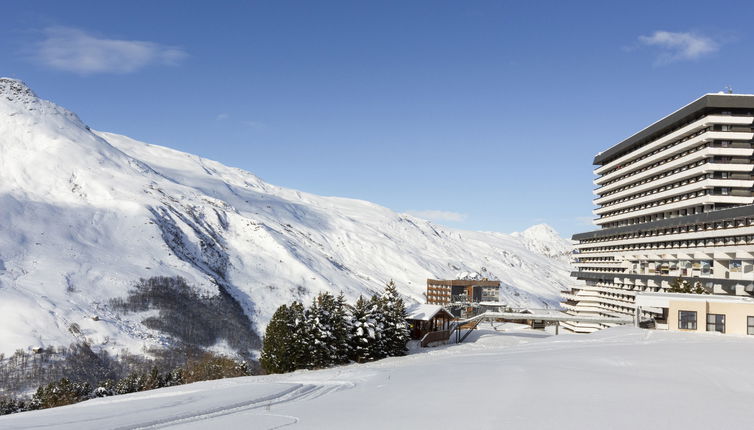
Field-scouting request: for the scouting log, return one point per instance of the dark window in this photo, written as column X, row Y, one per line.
column 716, row 322
column 749, row 325
column 687, row 320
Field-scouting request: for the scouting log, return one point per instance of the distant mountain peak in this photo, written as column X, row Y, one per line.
column 19, row 100
column 545, row 240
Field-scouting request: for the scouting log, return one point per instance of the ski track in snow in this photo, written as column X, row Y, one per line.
column 297, row 392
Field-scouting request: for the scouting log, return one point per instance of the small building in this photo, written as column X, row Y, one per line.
column 429, row 323
column 699, row 312
column 445, row 291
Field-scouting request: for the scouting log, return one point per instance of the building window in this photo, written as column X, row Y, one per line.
column 716, row 322
column 734, row 265
column 687, row 320
column 706, row 267
column 749, row 325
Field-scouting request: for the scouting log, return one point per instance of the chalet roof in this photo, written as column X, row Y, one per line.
column 424, row 312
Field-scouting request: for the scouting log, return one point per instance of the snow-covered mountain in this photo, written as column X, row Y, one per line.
column 542, row 239
column 85, row 214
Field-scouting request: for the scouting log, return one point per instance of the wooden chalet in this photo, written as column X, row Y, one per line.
column 429, row 323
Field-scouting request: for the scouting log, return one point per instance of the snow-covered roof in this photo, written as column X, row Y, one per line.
column 664, row 299
column 491, row 304
column 550, row 312
column 423, row 312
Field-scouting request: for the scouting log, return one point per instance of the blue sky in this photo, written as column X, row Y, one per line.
column 482, row 115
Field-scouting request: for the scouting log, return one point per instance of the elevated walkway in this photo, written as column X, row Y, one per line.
column 532, row 314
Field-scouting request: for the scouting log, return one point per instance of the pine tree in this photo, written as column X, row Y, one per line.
column 61, row 393
column 363, row 332
column 341, row 323
column 376, row 311
column 322, row 340
column 278, row 343
column 328, row 327
column 395, row 330
column 300, row 336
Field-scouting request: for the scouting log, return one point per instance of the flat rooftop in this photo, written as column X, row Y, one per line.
column 703, row 103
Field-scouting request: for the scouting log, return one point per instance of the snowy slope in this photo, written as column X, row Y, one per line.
column 619, row 378
column 84, row 214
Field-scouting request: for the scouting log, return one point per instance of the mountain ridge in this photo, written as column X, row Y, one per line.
column 86, row 214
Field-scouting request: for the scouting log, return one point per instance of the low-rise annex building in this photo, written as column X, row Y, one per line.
column 444, row 291
column 447, row 291
column 699, row 312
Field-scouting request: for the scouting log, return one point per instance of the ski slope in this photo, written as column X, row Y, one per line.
column 619, row 378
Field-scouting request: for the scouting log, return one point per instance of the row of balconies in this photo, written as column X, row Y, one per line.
column 713, row 187
column 724, row 187
column 610, row 289
column 604, row 309
column 713, row 159
column 679, row 206
column 657, row 203
column 677, row 244
column 693, row 168
column 689, row 228
column 655, row 152
column 679, row 151
column 601, row 181
column 657, row 190
column 684, row 132
column 628, row 303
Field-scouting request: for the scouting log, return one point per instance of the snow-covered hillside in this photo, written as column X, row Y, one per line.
column 619, row 378
column 85, row 214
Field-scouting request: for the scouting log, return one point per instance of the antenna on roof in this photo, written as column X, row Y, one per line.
column 729, row 89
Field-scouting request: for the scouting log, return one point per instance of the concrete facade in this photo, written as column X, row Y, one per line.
column 737, row 312
column 676, row 200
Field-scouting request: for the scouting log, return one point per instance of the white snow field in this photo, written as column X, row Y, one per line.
column 619, row 378
column 84, row 215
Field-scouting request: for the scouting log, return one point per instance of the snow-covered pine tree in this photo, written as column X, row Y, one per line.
column 300, row 335
column 341, row 330
column 277, row 344
column 363, row 331
column 376, row 311
column 319, row 321
column 395, row 330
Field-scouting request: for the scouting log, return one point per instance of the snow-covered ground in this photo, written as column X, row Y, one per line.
column 85, row 214
column 620, row 378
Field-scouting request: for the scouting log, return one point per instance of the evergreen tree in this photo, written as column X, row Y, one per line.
column 363, row 332
column 396, row 329
column 60, row 393
column 378, row 348
column 341, row 330
column 277, row 344
column 300, row 336
column 328, row 330
column 320, row 334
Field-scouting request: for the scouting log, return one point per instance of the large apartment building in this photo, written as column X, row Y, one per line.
column 673, row 200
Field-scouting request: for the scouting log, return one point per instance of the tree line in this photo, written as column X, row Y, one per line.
column 203, row 367
column 330, row 332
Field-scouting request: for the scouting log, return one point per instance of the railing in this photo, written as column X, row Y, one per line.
column 435, row 336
